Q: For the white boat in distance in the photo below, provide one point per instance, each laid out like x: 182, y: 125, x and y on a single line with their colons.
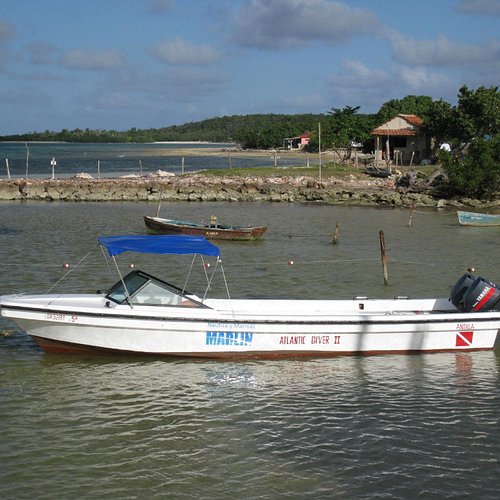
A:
x: 142, y: 314
x: 478, y: 219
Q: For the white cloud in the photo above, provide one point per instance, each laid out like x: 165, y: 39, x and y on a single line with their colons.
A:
x: 442, y: 52
x: 6, y: 32
x: 296, y: 103
x: 418, y: 80
x: 480, y: 7
x: 276, y: 24
x: 180, y: 84
x: 161, y: 6
x: 193, y: 83
x: 24, y: 97
x: 86, y: 59
x: 357, y: 85
x: 41, y: 52
x: 363, y: 76
x: 181, y: 52
x: 6, y: 36
x: 354, y: 74
x: 113, y: 100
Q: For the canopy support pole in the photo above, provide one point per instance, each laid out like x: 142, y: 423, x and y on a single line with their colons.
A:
x: 189, y: 274
x: 210, y: 280
x: 107, y: 262
x: 127, y: 294
x: 225, y: 282
x: 218, y: 261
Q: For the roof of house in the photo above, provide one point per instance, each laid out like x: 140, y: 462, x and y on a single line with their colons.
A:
x: 306, y: 135
x: 396, y: 126
x: 413, y: 119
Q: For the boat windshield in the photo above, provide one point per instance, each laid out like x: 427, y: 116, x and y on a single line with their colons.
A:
x: 139, y: 288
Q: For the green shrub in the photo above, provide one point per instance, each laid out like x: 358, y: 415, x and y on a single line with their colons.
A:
x: 477, y: 173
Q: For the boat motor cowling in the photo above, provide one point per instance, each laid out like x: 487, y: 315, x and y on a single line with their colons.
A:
x: 482, y: 295
x: 458, y: 291
x: 473, y: 293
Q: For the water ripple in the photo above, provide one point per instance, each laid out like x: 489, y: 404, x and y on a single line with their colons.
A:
x: 339, y: 428
x: 421, y: 426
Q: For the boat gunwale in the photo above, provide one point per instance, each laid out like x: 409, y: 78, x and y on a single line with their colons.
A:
x: 372, y: 318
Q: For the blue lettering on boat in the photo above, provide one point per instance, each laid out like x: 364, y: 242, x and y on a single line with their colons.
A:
x: 229, y: 338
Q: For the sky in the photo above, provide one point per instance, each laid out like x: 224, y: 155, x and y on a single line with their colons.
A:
x: 121, y: 64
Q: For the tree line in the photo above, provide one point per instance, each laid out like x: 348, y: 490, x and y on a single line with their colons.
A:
x: 472, y: 127
x: 258, y: 131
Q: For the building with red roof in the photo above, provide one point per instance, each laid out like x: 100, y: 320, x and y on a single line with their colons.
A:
x: 297, y: 142
x: 401, y: 141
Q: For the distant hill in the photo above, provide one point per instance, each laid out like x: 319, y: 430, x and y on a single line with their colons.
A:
x: 266, y: 129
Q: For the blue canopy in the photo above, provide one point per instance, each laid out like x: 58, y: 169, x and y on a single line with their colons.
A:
x: 160, y: 244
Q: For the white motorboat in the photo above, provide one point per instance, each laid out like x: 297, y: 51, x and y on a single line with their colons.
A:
x: 143, y: 314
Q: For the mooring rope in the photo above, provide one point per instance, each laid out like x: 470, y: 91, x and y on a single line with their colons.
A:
x: 325, y: 261
x: 259, y: 263
x: 70, y: 270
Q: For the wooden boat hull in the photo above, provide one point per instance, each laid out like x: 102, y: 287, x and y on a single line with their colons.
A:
x: 478, y: 219
x: 263, y: 329
x: 159, y: 225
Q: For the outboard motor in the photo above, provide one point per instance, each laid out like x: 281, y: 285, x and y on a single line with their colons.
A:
x: 482, y: 295
x: 458, y: 291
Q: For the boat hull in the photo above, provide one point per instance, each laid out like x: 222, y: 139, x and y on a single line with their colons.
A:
x: 478, y: 219
x: 216, y: 334
x: 216, y: 232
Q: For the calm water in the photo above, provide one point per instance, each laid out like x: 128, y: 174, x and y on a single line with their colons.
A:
x: 422, y: 426
x: 117, y: 159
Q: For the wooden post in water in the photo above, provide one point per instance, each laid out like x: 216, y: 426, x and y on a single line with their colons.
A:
x: 53, y: 164
x: 8, y: 169
x: 335, y: 235
x: 182, y: 166
x: 319, y: 149
x: 27, y: 158
x: 383, y: 256
x: 140, y: 167
x: 159, y: 205
x: 411, y: 215
x: 98, y: 169
x: 229, y: 161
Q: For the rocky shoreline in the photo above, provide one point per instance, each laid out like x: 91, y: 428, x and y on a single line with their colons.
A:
x: 199, y: 187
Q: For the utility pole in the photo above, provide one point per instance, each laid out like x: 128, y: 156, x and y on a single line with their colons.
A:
x: 319, y: 148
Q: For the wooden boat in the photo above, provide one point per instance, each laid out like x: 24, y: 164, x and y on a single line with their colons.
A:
x: 143, y: 314
x: 478, y: 219
x: 212, y: 231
